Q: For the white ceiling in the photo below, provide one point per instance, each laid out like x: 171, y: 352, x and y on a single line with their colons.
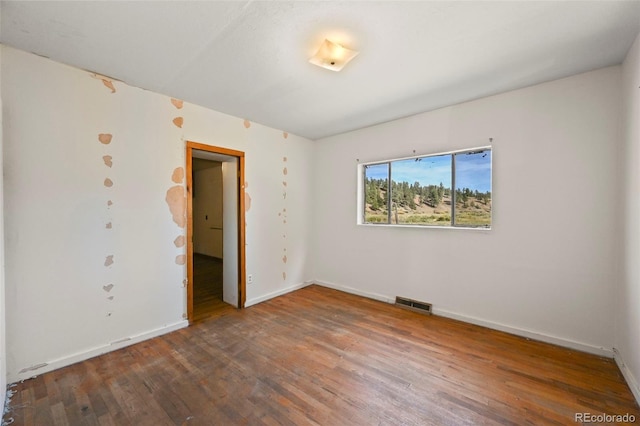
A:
x: 249, y: 58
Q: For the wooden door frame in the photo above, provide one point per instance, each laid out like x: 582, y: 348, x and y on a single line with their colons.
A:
x: 242, y: 273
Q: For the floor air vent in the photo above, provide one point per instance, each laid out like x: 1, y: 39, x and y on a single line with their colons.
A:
x: 413, y: 305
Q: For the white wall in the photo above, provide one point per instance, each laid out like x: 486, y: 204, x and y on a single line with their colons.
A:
x: 3, y: 347
x: 230, y: 232
x: 207, y: 211
x: 57, y: 243
x: 627, y: 331
x: 282, y: 187
x: 547, y: 268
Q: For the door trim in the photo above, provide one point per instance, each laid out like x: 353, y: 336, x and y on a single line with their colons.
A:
x: 190, y: 146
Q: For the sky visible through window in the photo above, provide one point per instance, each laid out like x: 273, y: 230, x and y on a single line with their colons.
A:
x: 473, y: 171
x: 420, y: 191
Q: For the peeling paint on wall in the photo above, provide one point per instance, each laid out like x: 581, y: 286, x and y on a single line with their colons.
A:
x: 285, y: 135
x: 105, y: 138
x: 247, y: 201
x: 178, y: 121
x: 108, y: 83
x: 179, y: 241
x: 177, y: 103
x: 283, y: 214
x: 178, y: 175
x: 247, y: 124
x: 181, y: 259
x: 177, y: 202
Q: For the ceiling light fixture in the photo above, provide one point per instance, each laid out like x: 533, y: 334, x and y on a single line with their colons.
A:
x: 332, y: 56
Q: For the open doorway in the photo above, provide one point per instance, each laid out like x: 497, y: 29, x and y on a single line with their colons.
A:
x: 215, y: 230
x: 208, y: 241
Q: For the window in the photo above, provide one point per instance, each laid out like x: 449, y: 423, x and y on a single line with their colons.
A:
x: 452, y: 189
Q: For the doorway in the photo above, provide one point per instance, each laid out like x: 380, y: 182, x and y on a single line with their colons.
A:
x: 215, y: 230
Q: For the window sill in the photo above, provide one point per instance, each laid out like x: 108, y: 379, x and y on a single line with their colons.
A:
x: 467, y: 228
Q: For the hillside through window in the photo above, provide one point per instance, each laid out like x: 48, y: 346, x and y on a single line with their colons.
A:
x: 451, y: 189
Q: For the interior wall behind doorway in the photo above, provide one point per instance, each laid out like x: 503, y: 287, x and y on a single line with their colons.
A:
x: 207, y: 208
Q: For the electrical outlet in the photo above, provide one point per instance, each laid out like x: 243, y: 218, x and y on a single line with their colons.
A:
x: 249, y: 279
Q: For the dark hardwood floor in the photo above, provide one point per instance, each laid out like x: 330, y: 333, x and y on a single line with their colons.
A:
x: 321, y: 357
x: 207, y: 287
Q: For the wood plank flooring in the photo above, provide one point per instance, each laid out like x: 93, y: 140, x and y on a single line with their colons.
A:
x: 207, y: 287
x: 321, y: 357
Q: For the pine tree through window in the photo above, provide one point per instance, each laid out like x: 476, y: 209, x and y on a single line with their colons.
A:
x: 452, y: 189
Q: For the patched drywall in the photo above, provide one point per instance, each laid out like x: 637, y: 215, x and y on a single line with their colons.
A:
x: 247, y: 202
x: 179, y: 241
x: 178, y: 175
x: 176, y: 199
x: 129, y: 235
x: 105, y: 138
x: 107, y: 82
x: 283, y: 214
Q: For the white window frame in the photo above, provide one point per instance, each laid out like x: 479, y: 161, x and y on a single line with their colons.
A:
x: 361, y: 196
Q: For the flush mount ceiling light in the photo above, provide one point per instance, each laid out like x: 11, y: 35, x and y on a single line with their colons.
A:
x: 332, y: 56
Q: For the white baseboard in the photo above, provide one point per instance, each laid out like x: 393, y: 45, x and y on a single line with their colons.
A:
x: 560, y: 341
x: 351, y: 290
x: 264, y: 297
x: 45, y: 367
x: 597, y: 350
x: 628, y: 375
